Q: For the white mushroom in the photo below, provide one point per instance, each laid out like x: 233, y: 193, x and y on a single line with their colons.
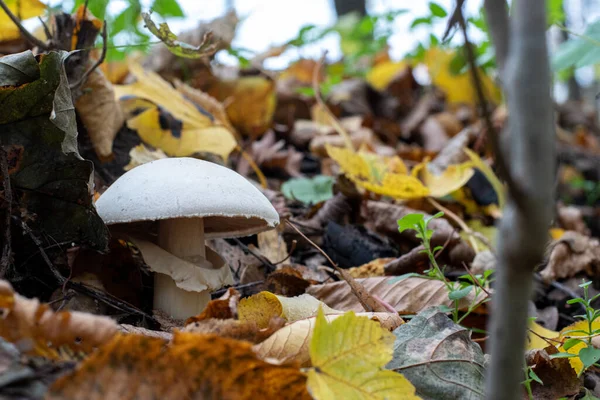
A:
x: 192, y: 200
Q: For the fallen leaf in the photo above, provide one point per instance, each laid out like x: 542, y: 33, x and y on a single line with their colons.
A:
x: 268, y: 152
x: 191, y: 366
x: 25, y: 9
x: 347, y: 355
x: 370, y: 269
x: 263, y: 306
x: 410, y: 295
x: 453, y: 178
x: 575, y: 330
x: 247, y: 331
x: 439, y: 358
x: 252, y: 105
x: 309, y: 190
x: 37, y: 330
x: 287, y: 281
x: 141, y: 154
x: 571, y: 254
x: 560, y: 380
x: 291, y: 343
x: 100, y: 113
x: 539, y: 337
x: 382, y: 74
x: 272, y: 246
x: 166, y: 120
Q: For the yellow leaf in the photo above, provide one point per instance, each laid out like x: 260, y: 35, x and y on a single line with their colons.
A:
x: 567, y: 332
x: 489, y: 174
x: 381, y: 75
x: 252, y: 105
x: 452, y: 179
x: 164, y: 118
x: 536, y: 334
x: 263, y: 306
x: 24, y: 9
x: 385, y: 176
x: 458, y: 88
x: 556, y: 233
x: 348, y: 356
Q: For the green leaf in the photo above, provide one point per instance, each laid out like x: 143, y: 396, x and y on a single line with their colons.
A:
x: 562, y: 355
x: 309, y: 190
x: 437, y: 10
x: 571, y: 342
x: 420, y: 21
x: 167, y: 8
x: 96, y: 7
x: 459, y: 294
x: 534, y: 376
x: 556, y: 13
x: 409, y: 221
x: 581, y: 51
x: 588, y: 356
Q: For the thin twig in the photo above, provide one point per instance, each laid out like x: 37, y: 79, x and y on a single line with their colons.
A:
x: 26, y: 34
x: 294, y: 243
x: 517, y: 191
x: 334, y: 121
x: 218, y: 293
x: 475, y: 280
x: 99, y: 61
x: 319, y: 249
x: 6, y: 248
x: 264, y: 260
x: 46, y: 29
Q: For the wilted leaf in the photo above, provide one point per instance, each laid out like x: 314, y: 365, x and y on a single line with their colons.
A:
x: 39, y: 133
x: 408, y: 296
x: 25, y: 9
x: 263, y: 306
x: 348, y: 355
x: 252, y: 105
x: 309, y: 190
x: 291, y: 343
x: 165, y: 119
x: 370, y: 269
x: 190, y: 367
x: 100, y: 113
x: 270, y: 153
x: 439, y: 358
x: 453, y: 178
x: 247, y: 331
x: 180, y: 49
x: 559, y: 379
x: 571, y: 254
x: 374, y: 174
x: 458, y: 88
x: 141, y: 154
x: 37, y: 330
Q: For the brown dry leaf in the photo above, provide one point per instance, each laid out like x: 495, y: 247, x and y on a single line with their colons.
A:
x: 560, y: 379
x: 571, y: 219
x: 571, y: 254
x: 252, y: 105
x: 433, y: 134
x: 268, y: 152
x: 190, y: 367
x: 234, y: 329
x: 291, y: 343
x: 37, y: 330
x: 223, y: 308
x: 358, y: 138
x: 407, y: 296
x: 137, y: 330
x: 263, y: 306
x: 100, y: 113
x: 287, y: 281
x: 272, y: 245
x: 373, y: 268
x: 141, y: 154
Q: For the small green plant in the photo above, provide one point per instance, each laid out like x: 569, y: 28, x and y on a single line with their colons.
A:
x: 589, y: 355
x: 456, y: 290
x: 530, y: 376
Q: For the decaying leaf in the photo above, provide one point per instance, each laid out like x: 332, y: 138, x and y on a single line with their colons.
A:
x: 263, y: 306
x: 453, y: 178
x: 571, y: 254
x: 141, y: 154
x: 268, y: 152
x: 191, y: 366
x: 247, y: 331
x: 370, y: 269
x: 100, y: 113
x: 180, y: 49
x: 37, y: 330
x: 560, y: 380
x: 165, y: 119
x: 439, y: 358
x: 382, y: 74
x: 347, y: 355
x: 539, y: 337
x: 378, y: 175
x: 288, y: 281
x: 291, y: 343
x: 408, y: 296
x: 252, y: 104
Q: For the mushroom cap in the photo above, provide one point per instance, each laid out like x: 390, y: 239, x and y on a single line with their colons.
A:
x: 185, y: 188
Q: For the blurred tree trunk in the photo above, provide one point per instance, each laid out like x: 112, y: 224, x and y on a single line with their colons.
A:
x: 347, y: 6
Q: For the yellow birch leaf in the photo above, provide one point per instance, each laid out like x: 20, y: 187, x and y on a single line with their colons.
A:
x: 536, y: 334
x: 165, y: 119
x: 381, y: 75
x: 453, y: 178
x: 24, y: 9
x: 252, y: 105
x: 348, y: 356
x: 580, y: 327
x: 458, y: 88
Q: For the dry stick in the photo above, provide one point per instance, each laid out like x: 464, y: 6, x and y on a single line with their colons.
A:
x: 336, y: 124
x: 369, y: 303
x: 99, y: 61
x: 28, y: 36
x: 475, y: 280
x: 462, y: 224
x: 46, y: 29
x: 294, y: 243
x: 6, y: 248
x: 220, y: 292
x: 517, y: 191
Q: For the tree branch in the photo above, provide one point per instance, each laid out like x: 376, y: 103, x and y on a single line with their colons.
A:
x: 524, y: 227
x: 30, y: 38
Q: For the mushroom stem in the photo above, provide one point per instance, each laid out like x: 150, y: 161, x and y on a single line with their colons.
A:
x: 184, y: 238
